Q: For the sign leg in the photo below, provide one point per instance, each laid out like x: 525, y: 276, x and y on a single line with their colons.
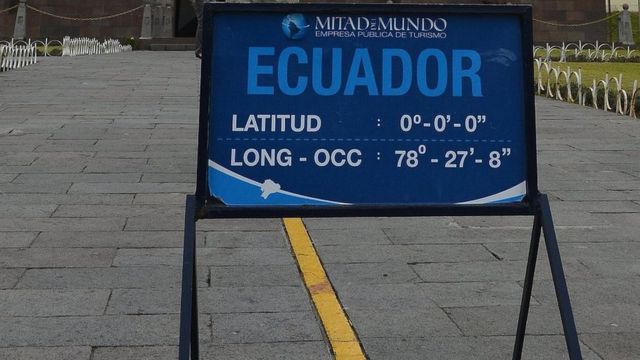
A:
x: 527, y: 288
x: 562, y: 294
x: 195, y: 338
x: 189, y: 341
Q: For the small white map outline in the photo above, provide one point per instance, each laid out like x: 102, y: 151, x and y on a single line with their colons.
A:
x: 269, y: 187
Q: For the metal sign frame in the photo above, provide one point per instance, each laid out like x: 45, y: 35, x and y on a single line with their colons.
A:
x: 202, y: 205
x: 213, y: 208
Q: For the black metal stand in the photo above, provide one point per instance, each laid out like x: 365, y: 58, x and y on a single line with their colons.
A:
x: 544, y: 221
x: 189, y: 339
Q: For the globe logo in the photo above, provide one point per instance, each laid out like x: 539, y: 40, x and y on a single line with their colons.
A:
x: 294, y: 26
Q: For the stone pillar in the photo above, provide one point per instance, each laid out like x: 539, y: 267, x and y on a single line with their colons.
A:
x: 167, y: 29
x: 20, y: 29
x: 145, y: 32
x: 625, y: 31
x: 156, y: 16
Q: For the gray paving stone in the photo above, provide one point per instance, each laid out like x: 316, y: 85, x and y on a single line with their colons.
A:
x: 590, y: 195
x: 451, y: 348
x: 43, y: 188
x: 493, y: 270
x: 62, y: 224
x: 594, y: 235
x: 298, y: 350
x: 322, y: 237
x: 112, y: 239
x: 587, y: 293
x: 371, y: 273
x: 212, y: 300
x: 368, y: 223
x: 619, y: 250
x: 13, y: 211
x: 169, y: 165
x: 464, y: 348
x: 408, y: 253
x: 48, y: 199
x: 53, y: 302
x: 176, y: 223
x: 103, y: 330
x: 624, y: 220
x: 147, y: 277
x: 9, y: 277
x: 596, y: 206
x: 612, y: 268
x: 258, y: 239
x: 7, y: 178
x: 448, y: 235
x: 46, y: 166
x: 19, y: 137
x: 130, y: 188
x: 80, y: 211
x: 474, y: 293
x: 471, y: 271
x: 622, y: 185
x: 178, y: 148
x: 168, y: 177
x: 160, y: 199
x: 17, y: 158
x: 45, y: 257
x: 49, y: 353
x: 548, y: 183
x: 135, y: 353
x: 16, y: 147
x: 78, y: 133
x: 614, y: 346
x: 502, y: 320
x: 16, y: 239
x: 77, y: 178
x: 494, y: 221
x: 65, y: 145
x: 265, y: 327
x: 206, y: 256
x: 104, y: 145
x: 252, y: 275
x: 385, y: 297
x: 403, y: 323
x: 116, y: 166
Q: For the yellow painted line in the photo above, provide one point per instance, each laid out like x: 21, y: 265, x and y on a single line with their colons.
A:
x: 342, y: 337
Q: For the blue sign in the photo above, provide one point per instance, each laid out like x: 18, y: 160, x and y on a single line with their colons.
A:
x: 323, y: 108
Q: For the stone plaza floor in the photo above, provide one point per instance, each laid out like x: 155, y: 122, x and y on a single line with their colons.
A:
x: 97, y: 154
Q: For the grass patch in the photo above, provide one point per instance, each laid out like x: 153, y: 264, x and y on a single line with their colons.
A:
x: 52, y: 50
x: 597, y: 71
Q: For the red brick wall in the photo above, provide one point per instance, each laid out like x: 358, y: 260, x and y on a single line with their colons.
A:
x: 560, y: 11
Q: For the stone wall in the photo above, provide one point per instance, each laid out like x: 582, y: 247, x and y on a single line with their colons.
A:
x: 40, y: 26
x: 569, y: 12
x: 556, y: 11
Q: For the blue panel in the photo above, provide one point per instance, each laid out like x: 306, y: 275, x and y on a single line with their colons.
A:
x: 324, y: 109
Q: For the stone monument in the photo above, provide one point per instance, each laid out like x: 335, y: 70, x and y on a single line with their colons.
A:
x: 625, y: 33
x: 20, y: 29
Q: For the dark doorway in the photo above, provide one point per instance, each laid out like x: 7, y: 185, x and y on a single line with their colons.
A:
x: 186, y: 22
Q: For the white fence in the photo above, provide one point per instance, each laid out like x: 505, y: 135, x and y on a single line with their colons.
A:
x: 567, y: 85
x: 89, y: 46
x: 45, y: 46
x: 14, y: 57
x: 596, y: 52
